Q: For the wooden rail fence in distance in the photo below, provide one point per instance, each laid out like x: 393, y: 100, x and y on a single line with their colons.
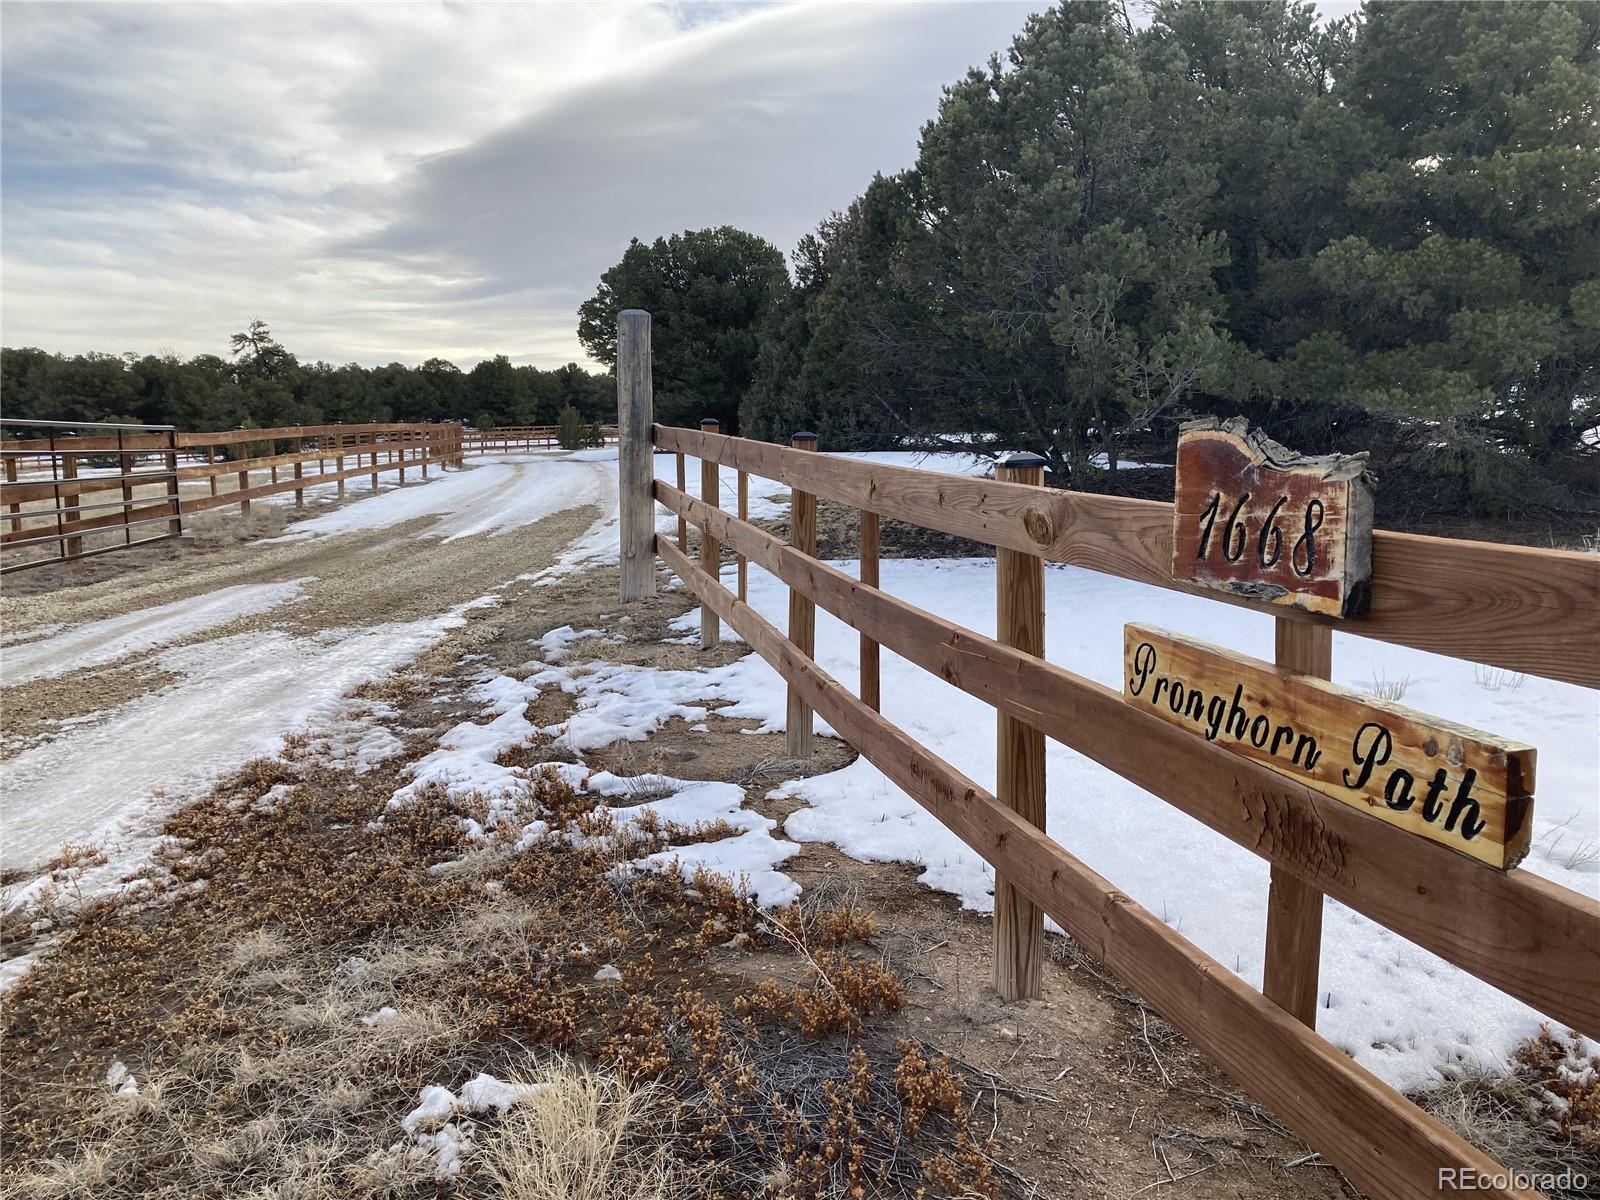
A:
x: 1524, y: 609
x: 148, y: 496
x: 513, y: 439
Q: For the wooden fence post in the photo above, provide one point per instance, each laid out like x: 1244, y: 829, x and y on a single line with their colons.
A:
x: 211, y: 462
x: 683, y: 522
x: 372, y: 438
x: 710, y: 551
x: 174, y: 493
x: 338, y: 460
x: 802, y: 609
x: 299, y: 478
x: 867, y: 551
x: 244, y: 478
x: 744, y: 515
x: 125, y: 468
x: 72, y: 547
x: 14, y: 509
x: 636, y: 458
x: 1294, y: 907
x: 1019, y: 781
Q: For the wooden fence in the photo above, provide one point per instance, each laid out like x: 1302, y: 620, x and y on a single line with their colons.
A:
x: 515, y: 438
x: 56, y: 485
x: 1520, y: 609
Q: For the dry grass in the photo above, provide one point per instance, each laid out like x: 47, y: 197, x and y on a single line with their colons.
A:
x: 1385, y: 688
x: 583, y: 1135
x: 242, y: 1000
x: 1542, y: 1121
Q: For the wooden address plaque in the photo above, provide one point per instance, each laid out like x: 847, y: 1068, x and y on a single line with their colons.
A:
x: 1257, y: 520
x: 1467, y: 790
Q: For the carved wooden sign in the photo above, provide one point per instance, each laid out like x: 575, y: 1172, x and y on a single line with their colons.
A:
x: 1467, y: 790
x: 1257, y: 520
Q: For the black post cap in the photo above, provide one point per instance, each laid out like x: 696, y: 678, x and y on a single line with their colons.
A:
x: 1020, y: 458
x: 803, y: 437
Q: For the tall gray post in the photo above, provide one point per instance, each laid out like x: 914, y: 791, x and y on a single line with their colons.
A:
x: 635, y: 454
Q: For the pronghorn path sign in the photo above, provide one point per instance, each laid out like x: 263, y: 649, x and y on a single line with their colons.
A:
x: 1257, y: 520
x: 1467, y: 790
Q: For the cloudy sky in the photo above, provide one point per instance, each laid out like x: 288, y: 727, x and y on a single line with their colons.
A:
x: 394, y: 181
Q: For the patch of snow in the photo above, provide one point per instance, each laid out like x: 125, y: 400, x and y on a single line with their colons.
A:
x: 121, y: 1080
x: 436, y: 1127
x: 492, y: 497
x: 435, y: 1106
x: 98, y: 642
x: 557, y: 644
x: 382, y: 1017
x: 354, y: 737
x: 608, y: 974
x: 169, y: 745
x: 464, y: 764
x: 447, y: 1147
x: 1399, y: 1010
x: 485, y: 1093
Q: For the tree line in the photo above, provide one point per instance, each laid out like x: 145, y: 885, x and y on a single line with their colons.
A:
x: 260, y: 384
x: 1379, y: 232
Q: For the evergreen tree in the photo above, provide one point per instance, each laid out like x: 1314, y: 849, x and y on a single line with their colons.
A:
x: 709, y: 293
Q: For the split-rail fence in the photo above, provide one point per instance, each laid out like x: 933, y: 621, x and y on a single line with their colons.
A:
x: 86, y: 488
x: 1521, y: 609
x: 512, y: 439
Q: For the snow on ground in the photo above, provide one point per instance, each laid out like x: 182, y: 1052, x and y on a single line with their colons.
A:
x: 98, y: 642
x: 489, y: 497
x: 466, y: 764
x: 112, y: 779
x: 1398, y: 1009
x: 439, y: 1128
x: 1401, y: 1011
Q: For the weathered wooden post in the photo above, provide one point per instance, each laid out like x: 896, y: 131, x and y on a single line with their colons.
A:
x: 338, y: 460
x: 636, y: 454
x: 867, y: 551
x: 174, y: 496
x: 299, y: 479
x: 802, y: 610
x: 1294, y: 907
x: 1019, y: 781
x: 244, y: 478
x: 125, y: 469
x: 710, y: 550
x: 211, y: 462
x: 744, y: 515
x: 14, y: 508
x: 683, y: 522
x: 72, y: 547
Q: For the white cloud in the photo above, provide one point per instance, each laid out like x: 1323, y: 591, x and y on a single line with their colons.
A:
x: 395, y: 181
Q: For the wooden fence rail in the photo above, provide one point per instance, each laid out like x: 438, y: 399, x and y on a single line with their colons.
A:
x: 145, y: 496
x: 512, y: 439
x: 1525, y: 610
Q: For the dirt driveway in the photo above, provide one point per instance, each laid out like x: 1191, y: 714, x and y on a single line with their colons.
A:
x: 126, y: 694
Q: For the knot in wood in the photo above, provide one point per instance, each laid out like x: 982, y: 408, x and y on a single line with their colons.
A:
x: 1038, y: 527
